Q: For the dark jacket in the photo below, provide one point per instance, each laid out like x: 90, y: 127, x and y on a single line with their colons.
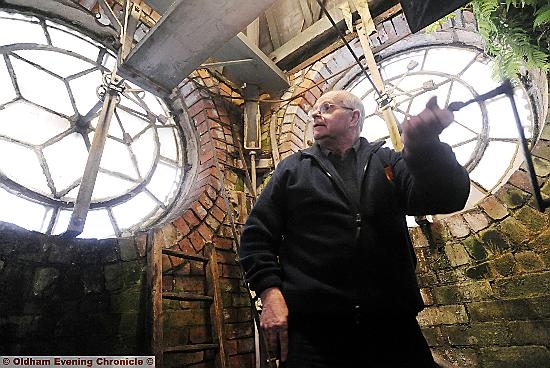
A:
x: 328, y: 254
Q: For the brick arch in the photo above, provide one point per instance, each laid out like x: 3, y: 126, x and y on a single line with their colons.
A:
x: 208, y: 215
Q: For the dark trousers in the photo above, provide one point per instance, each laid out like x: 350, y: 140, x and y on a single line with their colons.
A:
x: 386, y: 342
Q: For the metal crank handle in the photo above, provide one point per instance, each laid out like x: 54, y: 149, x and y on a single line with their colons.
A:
x: 505, y: 88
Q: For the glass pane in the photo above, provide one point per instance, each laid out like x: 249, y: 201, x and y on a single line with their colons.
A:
x: 66, y: 160
x: 168, y: 147
x: 502, y: 117
x: 134, y: 211
x: 84, y: 91
x: 51, y: 92
x: 108, y: 186
x: 98, y: 225
x: 7, y: 92
x: 21, y: 212
x: 109, y: 62
x: 374, y: 128
x: 62, y: 222
x: 479, y: 75
x: 164, y: 182
x: 455, y: 134
x: 494, y: 164
x: 21, y: 164
x: 144, y: 149
x: 400, y: 64
x: 154, y: 105
x: 61, y: 64
x: 28, y: 123
x: 116, y: 157
x: 131, y: 123
x: 464, y: 152
x: 21, y: 32
x: 455, y: 59
x: 67, y: 41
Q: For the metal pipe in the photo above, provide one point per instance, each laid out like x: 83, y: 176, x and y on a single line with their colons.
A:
x: 84, y: 197
x: 253, y: 171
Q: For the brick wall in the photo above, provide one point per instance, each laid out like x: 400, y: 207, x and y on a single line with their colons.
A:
x: 203, y: 219
x: 71, y: 296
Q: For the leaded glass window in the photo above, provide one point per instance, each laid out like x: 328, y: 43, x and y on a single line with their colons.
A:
x: 49, y: 109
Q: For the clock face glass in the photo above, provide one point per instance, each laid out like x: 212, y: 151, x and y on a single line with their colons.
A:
x: 51, y: 90
x: 483, y: 135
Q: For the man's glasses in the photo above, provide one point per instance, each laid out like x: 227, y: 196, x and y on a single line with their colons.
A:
x: 325, y: 108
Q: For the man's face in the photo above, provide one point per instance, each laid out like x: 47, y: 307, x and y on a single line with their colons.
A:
x: 331, y: 119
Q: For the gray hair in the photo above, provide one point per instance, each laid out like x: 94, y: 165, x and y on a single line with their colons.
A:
x: 350, y: 100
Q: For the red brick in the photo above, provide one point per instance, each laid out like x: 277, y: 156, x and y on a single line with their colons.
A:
x: 190, y: 218
x: 206, y: 155
x: 205, y: 231
x: 212, y: 193
x: 212, y: 223
x: 218, y: 213
x: 182, y: 226
x: 197, y: 241
x: 199, y: 210
x: 223, y: 243
x: 186, y: 247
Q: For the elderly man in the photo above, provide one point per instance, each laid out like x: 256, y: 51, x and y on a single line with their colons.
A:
x: 327, y: 248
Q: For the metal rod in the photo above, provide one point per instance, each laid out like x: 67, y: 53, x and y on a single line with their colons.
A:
x: 541, y: 204
x: 343, y: 38
x: 84, y: 197
x: 224, y: 63
x: 505, y: 88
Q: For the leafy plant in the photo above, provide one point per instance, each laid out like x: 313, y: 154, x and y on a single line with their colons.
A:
x: 517, y: 33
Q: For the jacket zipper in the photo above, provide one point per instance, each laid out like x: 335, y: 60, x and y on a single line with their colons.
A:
x: 358, y: 219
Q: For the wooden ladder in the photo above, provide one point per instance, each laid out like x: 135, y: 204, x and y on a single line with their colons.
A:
x: 212, y: 296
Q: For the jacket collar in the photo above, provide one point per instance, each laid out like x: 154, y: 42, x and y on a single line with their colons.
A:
x: 365, y: 149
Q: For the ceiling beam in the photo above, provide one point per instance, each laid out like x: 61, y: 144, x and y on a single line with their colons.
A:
x: 273, y: 28
x: 321, y: 33
x: 185, y: 36
x: 306, y: 11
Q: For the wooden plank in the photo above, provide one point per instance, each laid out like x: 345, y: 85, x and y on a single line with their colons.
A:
x: 253, y: 32
x: 183, y: 296
x: 191, y: 257
x: 154, y: 283
x: 216, y: 309
x: 273, y: 28
x: 308, y: 17
x: 190, y: 348
x: 320, y: 33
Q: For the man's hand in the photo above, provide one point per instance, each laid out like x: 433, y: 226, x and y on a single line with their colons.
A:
x: 427, y: 125
x: 274, y: 321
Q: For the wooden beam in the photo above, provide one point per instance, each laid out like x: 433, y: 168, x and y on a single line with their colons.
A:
x: 253, y: 32
x: 311, y: 35
x: 186, y: 35
x: 315, y: 37
x: 306, y: 11
x: 273, y: 28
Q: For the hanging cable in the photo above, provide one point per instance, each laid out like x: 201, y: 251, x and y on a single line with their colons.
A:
x: 341, y: 35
